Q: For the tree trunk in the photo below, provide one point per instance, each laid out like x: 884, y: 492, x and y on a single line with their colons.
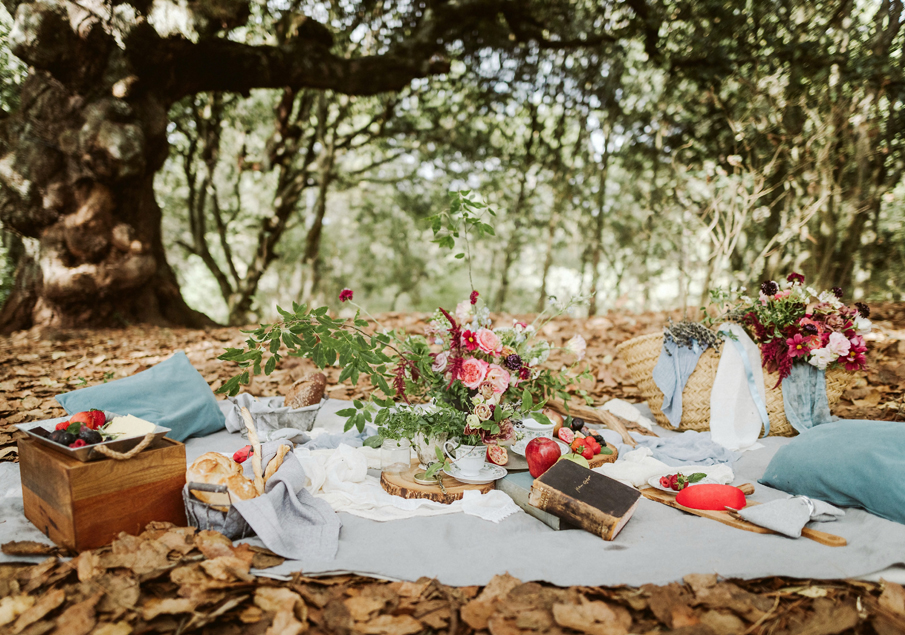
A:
x: 548, y: 260
x: 597, y: 247
x: 79, y: 161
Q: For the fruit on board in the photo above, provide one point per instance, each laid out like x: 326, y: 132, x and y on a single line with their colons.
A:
x: 716, y: 497
x: 565, y: 435
x: 89, y: 436
x: 84, y: 417
x: 62, y: 437
x: 577, y: 446
x: 99, y: 419
x: 588, y: 452
x: 62, y: 425
x: 497, y: 455
x: 541, y: 453
x: 592, y: 444
x: 242, y: 455
x: 575, y: 458
x: 577, y: 424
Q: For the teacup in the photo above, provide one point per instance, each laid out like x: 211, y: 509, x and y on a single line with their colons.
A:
x: 469, y: 458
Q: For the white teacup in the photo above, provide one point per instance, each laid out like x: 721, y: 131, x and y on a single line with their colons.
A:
x: 469, y: 458
x: 535, y: 429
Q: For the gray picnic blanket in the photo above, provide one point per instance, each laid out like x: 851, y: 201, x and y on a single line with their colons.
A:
x: 658, y: 545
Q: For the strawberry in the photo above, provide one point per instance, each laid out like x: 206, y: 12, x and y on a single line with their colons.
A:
x: 99, y: 419
x: 587, y: 452
x: 84, y: 417
x: 592, y: 443
x: 577, y: 446
x: 62, y: 425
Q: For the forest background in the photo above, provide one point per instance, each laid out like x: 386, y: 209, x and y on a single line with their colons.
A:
x: 718, y: 144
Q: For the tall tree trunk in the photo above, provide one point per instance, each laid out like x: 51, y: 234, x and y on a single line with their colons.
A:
x: 513, y: 244
x: 313, y: 240
x: 597, y: 245
x: 548, y: 259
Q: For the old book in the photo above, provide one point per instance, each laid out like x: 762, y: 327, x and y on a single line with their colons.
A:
x: 589, y: 500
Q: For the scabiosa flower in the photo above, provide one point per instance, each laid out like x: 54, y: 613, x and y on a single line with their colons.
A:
x: 345, y: 294
x: 474, y: 297
x: 809, y: 329
x: 769, y: 288
x: 513, y: 362
x: 863, y: 309
x: 470, y: 340
x: 795, y: 278
x: 837, y: 291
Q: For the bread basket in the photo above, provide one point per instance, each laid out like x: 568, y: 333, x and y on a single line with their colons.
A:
x: 199, y: 514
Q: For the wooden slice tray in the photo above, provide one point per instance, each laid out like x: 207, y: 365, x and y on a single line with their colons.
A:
x: 727, y: 518
x: 403, y: 484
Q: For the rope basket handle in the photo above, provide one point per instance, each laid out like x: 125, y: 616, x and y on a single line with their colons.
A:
x: 122, y: 456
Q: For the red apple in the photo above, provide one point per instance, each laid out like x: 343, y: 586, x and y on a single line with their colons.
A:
x: 541, y: 453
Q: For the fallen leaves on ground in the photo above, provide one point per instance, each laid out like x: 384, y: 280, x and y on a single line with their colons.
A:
x: 118, y: 597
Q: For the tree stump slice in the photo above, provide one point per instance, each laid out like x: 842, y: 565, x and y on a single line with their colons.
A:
x: 403, y: 484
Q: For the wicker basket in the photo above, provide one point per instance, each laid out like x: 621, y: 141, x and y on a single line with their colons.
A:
x: 641, y: 355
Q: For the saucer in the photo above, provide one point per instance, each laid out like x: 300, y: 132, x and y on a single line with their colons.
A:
x: 519, y: 448
x: 487, y: 474
x: 654, y: 481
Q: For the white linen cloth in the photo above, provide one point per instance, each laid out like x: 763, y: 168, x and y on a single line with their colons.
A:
x: 635, y: 468
x: 788, y: 516
x: 735, y: 422
x: 340, y: 477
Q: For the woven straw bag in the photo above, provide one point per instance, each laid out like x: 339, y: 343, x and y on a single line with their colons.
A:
x: 641, y: 355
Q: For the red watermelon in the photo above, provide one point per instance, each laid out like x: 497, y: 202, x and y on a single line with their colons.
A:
x: 715, y: 497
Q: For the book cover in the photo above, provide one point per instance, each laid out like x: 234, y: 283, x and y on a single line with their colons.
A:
x: 589, y: 500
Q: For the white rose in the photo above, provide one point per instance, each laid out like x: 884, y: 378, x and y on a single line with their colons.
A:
x: 578, y: 346
x: 863, y: 326
x: 828, y: 297
x: 477, y: 399
x: 821, y: 357
x: 839, y: 344
x: 473, y: 421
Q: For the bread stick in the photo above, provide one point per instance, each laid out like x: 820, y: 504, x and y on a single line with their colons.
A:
x: 256, y: 448
x: 276, y: 462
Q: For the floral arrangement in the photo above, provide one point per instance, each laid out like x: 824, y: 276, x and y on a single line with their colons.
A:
x: 476, y: 381
x: 794, y: 323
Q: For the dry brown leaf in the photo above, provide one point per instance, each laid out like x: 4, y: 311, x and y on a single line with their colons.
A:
x: 113, y: 628
x: 362, y: 607
x: 13, y: 606
x: 670, y: 604
x: 723, y: 622
x: 29, y: 548
x: 893, y: 597
x: 478, y: 611
x: 213, y: 544
x: 45, y: 604
x: 593, y: 618
x: 120, y: 592
x: 266, y: 561
x: 227, y: 569
x: 391, y: 625
x: 78, y: 619
x: 88, y: 565
x: 251, y: 615
x: 166, y: 606
x: 285, y: 623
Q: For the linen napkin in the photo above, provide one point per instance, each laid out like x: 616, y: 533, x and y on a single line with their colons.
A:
x: 788, y: 516
x: 291, y: 522
x: 671, y: 373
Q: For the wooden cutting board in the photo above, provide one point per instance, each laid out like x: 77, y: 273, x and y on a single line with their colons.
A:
x: 403, y: 484
x: 727, y: 518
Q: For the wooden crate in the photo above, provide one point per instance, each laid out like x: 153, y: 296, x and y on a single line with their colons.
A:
x: 85, y: 505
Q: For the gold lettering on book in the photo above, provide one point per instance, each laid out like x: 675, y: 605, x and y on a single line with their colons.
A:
x: 583, y: 483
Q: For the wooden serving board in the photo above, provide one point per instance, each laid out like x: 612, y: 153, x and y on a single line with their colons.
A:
x: 601, y: 458
x: 727, y: 518
x: 403, y: 484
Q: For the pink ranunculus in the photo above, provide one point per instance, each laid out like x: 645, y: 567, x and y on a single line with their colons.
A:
x: 488, y: 341
x: 839, y: 344
x: 498, y: 377
x: 440, y: 361
x: 473, y: 372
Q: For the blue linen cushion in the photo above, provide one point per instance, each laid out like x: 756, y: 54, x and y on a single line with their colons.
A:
x: 171, y: 394
x: 849, y: 463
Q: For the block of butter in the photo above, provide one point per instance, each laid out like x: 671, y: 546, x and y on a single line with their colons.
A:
x: 129, y: 426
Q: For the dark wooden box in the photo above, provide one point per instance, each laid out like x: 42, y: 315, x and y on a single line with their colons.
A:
x: 84, y: 505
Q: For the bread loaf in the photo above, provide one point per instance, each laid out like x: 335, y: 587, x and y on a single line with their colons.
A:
x: 216, y: 469
x: 307, y: 391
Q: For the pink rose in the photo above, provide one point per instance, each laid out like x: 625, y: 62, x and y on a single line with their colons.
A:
x: 473, y: 372
x: 498, y: 377
x: 839, y: 344
x: 488, y: 341
x: 440, y: 361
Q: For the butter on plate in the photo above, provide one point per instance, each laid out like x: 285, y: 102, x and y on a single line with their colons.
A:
x: 128, y: 426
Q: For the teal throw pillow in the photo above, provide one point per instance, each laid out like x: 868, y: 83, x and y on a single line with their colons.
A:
x: 171, y: 394
x: 849, y: 463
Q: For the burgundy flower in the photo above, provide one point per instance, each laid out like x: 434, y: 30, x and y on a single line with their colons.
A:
x: 769, y: 288
x: 863, y: 309
x: 837, y: 291
x: 524, y: 372
x: 795, y: 278
x: 853, y: 361
x: 474, y: 297
x: 810, y: 329
x: 513, y: 362
x: 345, y: 294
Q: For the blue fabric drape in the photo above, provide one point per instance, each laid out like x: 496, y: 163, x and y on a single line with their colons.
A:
x: 804, y: 397
x: 671, y: 373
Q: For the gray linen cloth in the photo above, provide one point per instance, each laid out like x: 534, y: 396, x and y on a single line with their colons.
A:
x: 273, y: 420
x: 789, y: 516
x: 287, y: 518
x: 804, y: 397
x: 687, y: 448
x: 671, y: 373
